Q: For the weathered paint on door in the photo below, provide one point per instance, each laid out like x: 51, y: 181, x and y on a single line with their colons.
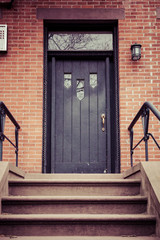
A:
x: 78, y: 143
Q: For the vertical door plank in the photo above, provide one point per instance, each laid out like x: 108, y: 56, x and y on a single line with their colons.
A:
x: 101, y: 110
x: 93, y: 115
x: 76, y: 114
x: 85, y: 116
x: 108, y: 118
x: 59, y: 112
x: 53, y: 116
x: 67, y: 108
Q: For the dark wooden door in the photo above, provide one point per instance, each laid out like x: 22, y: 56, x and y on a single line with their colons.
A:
x: 79, y: 130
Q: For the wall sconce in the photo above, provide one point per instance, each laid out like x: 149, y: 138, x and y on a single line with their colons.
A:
x: 136, y: 51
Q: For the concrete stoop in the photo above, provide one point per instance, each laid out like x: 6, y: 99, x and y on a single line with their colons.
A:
x: 76, y: 207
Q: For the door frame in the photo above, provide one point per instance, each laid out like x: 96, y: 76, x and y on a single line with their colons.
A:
x: 113, y: 140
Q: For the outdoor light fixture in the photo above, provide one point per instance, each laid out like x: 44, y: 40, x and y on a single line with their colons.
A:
x: 136, y: 51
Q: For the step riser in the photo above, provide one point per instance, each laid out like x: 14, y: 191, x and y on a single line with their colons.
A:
x: 77, y: 229
x: 74, y: 208
x: 74, y: 190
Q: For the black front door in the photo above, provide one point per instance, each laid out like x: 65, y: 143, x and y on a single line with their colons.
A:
x: 78, y: 121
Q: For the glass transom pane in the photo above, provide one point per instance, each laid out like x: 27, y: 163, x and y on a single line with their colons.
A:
x: 71, y: 41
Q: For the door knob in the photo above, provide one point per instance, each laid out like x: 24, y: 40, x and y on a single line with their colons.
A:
x: 103, y: 121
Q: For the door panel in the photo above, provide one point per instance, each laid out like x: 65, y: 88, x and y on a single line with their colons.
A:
x: 78, y: 144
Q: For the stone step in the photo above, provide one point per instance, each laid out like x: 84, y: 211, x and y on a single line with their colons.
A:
x: 78, y: 238
x: 75, y: 187
x: 73, y: 176
x: 77, y: 225
x: 74, y: 204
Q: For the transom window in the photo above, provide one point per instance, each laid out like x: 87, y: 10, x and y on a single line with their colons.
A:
x: 80, y: 41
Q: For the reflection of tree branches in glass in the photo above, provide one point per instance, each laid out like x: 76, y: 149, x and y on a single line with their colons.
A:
x: 79, y: 41
x: 80, y: 89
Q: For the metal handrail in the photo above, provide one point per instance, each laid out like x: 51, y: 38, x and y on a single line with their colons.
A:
x: 144, y: 112
x: 3, y: 112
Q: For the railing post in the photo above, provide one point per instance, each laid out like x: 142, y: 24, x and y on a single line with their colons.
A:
x: 131, y: 146
x: 145, y: 122
x: 2, y: 123
x: 16, y: 140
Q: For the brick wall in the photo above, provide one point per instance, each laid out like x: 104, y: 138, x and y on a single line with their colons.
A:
x: 21, y: 72
x: 139, y: 81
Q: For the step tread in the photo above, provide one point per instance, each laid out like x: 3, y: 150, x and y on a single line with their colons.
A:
x: 75, y: 198
x: 73, y: 176
x: 78, y: 238
x: 77, y: 217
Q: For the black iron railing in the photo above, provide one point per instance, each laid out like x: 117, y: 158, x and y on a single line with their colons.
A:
x: 144, y: 112
x: 3, y: 112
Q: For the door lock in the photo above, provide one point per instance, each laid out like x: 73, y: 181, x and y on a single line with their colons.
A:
x: 103, y: 121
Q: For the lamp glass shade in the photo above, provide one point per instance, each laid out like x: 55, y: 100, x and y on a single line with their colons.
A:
x: 136, y: 51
